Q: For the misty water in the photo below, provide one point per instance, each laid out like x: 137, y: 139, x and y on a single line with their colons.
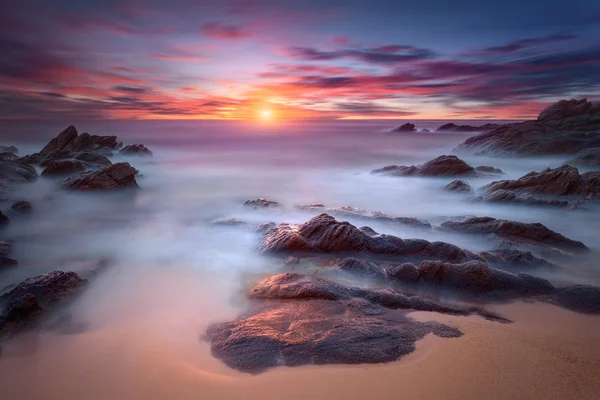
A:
x: 172, y: 273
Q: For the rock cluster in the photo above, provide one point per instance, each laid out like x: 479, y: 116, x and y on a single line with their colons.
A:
x: 120, y: 175
x: 441, y: 166
x: 408, y: 127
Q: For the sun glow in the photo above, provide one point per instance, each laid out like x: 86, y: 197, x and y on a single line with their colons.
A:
x: 266, y: 114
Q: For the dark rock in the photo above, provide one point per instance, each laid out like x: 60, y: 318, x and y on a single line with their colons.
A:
x: 8, y: 156
x: 13, y: 173
x: 408, y: 127
x: 486, y: 169
x: 228, y: 222
x: 4, y: 220
x: 587, y: 158
x: 6, y: 262
x: 579, y: 298
x: 9, y: 149
x: 364, y: 215
x: 34, y: 297
x: 404, y: 273
x: 506, y: 196
x: 458, y: 186
x: 323, y: 234
x: 116, y: 176
x: 22, y: 206
x: 441, y: 166
x: 566, y: 127
x: 261, y: 203
x: 515, y: 258
x: 425, y: 131
x: 135, y: 149
x: 61, y: 168
x: 452, y: 127
x: 262, y: 228
x: 92, y: 158
x: 535, y: 233
x: 363, y: 269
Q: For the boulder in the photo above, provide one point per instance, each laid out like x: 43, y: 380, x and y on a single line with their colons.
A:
x: 441, y: 166
x: 261, y: 203
x: 408, y: 127
x: 64, y: 167
x: 535, y: 233
x: 22, y: 307
x: 13, y: 173
x: 22, y: 206
x: 458, y: 186
x: 116, y: 176
x: 135, y: 150
x: 566, y: 127
x: 364, y: 269
x: 507, y: 196
x: 324, y: 235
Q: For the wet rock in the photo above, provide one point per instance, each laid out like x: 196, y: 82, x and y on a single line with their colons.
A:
x: 365, y: 269
x: 9, y: 149
x: 136, y: 150
x: 566, y: 127
x: 458, y: 186
x: 515, y: 258
x: 116, y: 176
x: 27, y: 302
x: 535, y: 233
x: 22, y: 206
x: 441, y: 166
x: 62, y: 168
x: 452, y: 127
x: 408, y: 127
x: 323, y: 234
x: 587, y: 158
x: 261, y: 203
x: 486, y: 169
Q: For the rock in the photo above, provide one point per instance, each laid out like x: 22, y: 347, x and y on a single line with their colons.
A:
x: 441, y: 166
x: 27, y: 302
x: 579, y: 298
x: 4, y: 220
x: 89, y: 157
x: 9, y: 149
x: 425, y: 131
x: 261, y: 203
x: 515, y: 258
x: 8, y: 156
x: 364, y: 215
x: 404, y: 273
x: 13, y: 173
x: 562, y: 181
x: 408, y: 127
x: 458, y: 186
x: 61, y: 168
x: 452, y: 127
x: 116, y: 176
x: 486, y: 169
x: 228, y: 222
x: 566, y: 127
x: 535, y: 233
x: 365, y: 269
x: 323, y: 234
x: 135, y: 149
x: 587, y: 158
x: 262, y: 228
x: 506, y: 196
x: 22, y: 206
x: 6, y: 262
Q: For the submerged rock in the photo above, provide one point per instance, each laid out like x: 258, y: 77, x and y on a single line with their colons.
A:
x: 116, y: 176
x: 22, y: 307
x: 535, y: 233
x: 408, y: 127
x: 458, y: 186
x: 22, y: 206
x: 136, y: 149
x: 441, y: 166
x: 565, y: 127
x: 261, y: 203
x: 323, y: 234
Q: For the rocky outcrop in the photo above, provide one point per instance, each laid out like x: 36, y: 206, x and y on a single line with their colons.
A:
x: 566, y: 127
x: 92, y: 158
x: 408, y: 127
x: 363, y: 269
x: 228, y: 222
x: 62, y: 168
x: 458, y: 186
x: 324, y: 235
x: 13, y: 173
x: 486, y: 169
x: 9, y: 149
x: 8, y: 156
x: 535, y: 233
x: 452, y: 127
x: 22, y: 206
x: 6, y: 261
x: 116, y: 176
x: 507, y: 196
x: 22, y: 307
x: 135, y: 150
x: 587, y: 158
x: 441, y: 166
x: 261, y: 203
x: 515, y: 258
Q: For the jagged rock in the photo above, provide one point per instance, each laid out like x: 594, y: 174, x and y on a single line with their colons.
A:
x: 408, y: 127
x: 452, y: 127
x: 365, y: 269
x: 27, y: 302
x: 404, y: 273
x: 13, y: 173
x: 486, y: 169
x: 262, y: 228
x: 261, y: 203
x: 458, y: 186
x: 515, y: 258
x: 535, y: 233
x: 360, y: 214
x: 61, y: 168
x: 116, y: 176
x: 323, y: 234
x: 9, y: 149
x: 566, y: 127
x: 587, y: 158
x: 506, y: 196
x: 135, y: 149
x: 8, y: 156
x: 89, y: 157
x: 22, y: 206
x: 441, y: 166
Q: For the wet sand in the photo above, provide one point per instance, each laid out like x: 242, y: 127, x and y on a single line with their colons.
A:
x: 548, y: 353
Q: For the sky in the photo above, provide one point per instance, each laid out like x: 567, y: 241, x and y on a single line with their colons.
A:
x: 253, y: 59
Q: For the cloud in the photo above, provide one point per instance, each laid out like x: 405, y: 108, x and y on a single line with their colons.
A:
x: 518, y: 45
x: 218, y: 30
x: 378, y: 55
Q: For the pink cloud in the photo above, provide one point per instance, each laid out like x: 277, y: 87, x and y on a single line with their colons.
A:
x: 217, y: 30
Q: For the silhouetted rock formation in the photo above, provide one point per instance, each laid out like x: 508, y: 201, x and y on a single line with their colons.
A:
x: 62, y: 168
x: 515, y: 258
x: 441, y: 166
x: 452, y: 127
x: 458, y: 186
x: 323, y: 234
x: 261, y: 203
x: 116, y: 176
x: 408, y: 127
x: 535, y: 233
x: 566, y: 127
x: 22, y: 206
x: 136, y: 150
x: 6, y: 261
x: 489, y: 170
x: 9, y: 149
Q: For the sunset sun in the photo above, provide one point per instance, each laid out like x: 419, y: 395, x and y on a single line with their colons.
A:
x: 266, y: 114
